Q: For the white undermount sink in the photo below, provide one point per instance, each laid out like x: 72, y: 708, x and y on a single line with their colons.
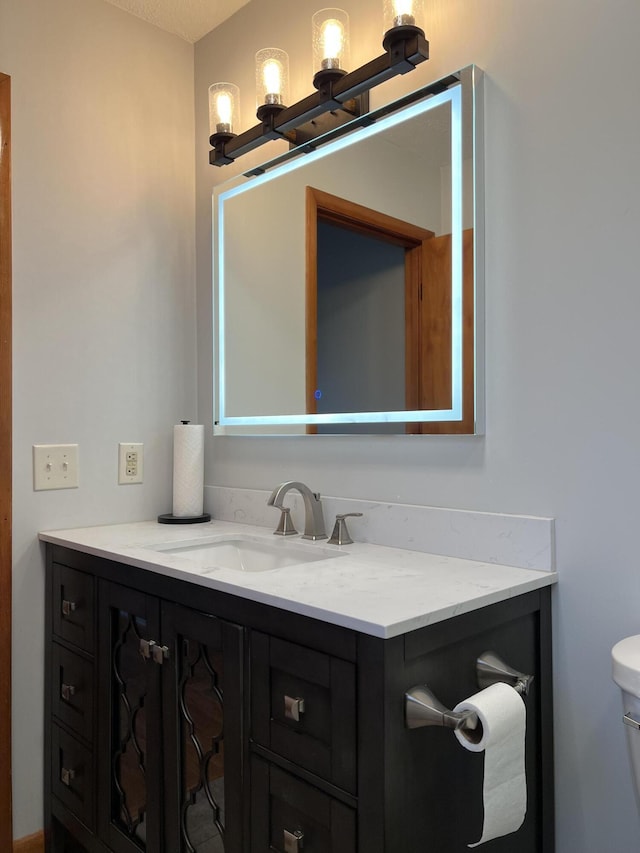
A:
x: 243, y: 553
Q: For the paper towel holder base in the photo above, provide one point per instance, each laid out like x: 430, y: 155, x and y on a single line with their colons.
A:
x: 170, y: 518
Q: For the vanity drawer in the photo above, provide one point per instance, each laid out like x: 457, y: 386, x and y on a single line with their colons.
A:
x: 290, y: 816
x: 304, y: 708
x: 73, y: 606
x: 72, y: 691
x: 72, y: 780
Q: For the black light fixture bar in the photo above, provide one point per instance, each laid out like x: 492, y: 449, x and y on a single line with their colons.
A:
x: 230, y: 149
x: 344, y: 99
x: 360, y: 121
x: 401, y: 57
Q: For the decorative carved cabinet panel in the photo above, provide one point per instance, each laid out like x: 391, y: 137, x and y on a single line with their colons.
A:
x: 202, y: 711
x: 180, y: 719
x: 130, y: 732
x: 151, y: 759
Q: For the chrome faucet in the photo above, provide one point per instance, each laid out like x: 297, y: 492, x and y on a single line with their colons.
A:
x: 313, y: 518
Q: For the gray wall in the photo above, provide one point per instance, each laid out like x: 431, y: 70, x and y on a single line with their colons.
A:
x: 103, y: 290
x: 562, y: 218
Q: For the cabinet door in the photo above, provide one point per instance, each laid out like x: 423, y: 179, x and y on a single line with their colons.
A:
x: 202, y: 704
x: 129, y: 707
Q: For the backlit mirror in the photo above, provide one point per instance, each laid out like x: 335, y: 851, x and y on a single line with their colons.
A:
x: 348, y: 280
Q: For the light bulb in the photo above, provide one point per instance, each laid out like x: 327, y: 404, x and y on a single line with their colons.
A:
x: 330, y: 32
x: 403, y: 13
x: 272, y: 76
x: 223, y: 107
x: 332, y: 41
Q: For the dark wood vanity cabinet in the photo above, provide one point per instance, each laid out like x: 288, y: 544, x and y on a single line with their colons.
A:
x: 184, y: 720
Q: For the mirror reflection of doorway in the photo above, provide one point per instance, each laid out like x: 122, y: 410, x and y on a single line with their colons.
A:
x: 373, y: 281
x: 361, y: 327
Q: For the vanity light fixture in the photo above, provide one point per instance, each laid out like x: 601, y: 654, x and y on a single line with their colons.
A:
x: 341, y: 97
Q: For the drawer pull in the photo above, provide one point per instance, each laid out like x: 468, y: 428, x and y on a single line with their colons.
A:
x: 68, y: 607
x: 66, y: 775
x: 293, y: 841
x: 146, y: 648
x: 159, y: 653
x: 293, y: 707
x: 67, y: 691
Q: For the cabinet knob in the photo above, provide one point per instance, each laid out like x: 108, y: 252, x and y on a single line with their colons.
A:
x: 67, y: 691
x: 66, y: 775
x: 293, y: 841
x: 293, y: 707
x: 68, y: 607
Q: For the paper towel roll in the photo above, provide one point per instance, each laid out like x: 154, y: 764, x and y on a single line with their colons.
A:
x: 502, y: 714
x: 188, y: 470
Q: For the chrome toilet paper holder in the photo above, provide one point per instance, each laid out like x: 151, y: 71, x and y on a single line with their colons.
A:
x: 423, y: 708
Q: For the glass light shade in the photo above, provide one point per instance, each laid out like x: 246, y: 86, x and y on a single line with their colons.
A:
x: 272, y: 76
x: 330, y: 39
x: 403, y: 13
x: 224, y: 108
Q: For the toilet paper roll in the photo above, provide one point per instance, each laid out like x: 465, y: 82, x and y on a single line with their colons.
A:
x: 502, y: 713
x: 188, y: 470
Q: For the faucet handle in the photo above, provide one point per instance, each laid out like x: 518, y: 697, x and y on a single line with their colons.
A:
x: 285, y: 527
x: 340, y: 535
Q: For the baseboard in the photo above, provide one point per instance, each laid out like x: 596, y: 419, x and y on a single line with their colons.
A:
x: 30, y: 844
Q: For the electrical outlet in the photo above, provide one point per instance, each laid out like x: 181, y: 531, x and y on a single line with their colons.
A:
x: 55, y: 466
x: 130, y: 463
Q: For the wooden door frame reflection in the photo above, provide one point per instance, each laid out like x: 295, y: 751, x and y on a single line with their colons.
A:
x: 427, y: 294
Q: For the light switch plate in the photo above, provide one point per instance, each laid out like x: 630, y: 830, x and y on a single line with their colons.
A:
x: 55, y: 466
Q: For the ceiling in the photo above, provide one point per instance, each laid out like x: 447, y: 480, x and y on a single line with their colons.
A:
x: 189, y: 19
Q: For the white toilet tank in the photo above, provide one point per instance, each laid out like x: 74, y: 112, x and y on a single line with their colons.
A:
x: 626, y: 674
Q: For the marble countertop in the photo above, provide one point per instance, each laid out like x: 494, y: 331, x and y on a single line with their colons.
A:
x: 375, y: 589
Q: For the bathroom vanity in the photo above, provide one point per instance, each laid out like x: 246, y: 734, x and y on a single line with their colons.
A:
x: 196, y: 710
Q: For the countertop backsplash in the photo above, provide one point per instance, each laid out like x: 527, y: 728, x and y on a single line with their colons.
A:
x: 523, y: 541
